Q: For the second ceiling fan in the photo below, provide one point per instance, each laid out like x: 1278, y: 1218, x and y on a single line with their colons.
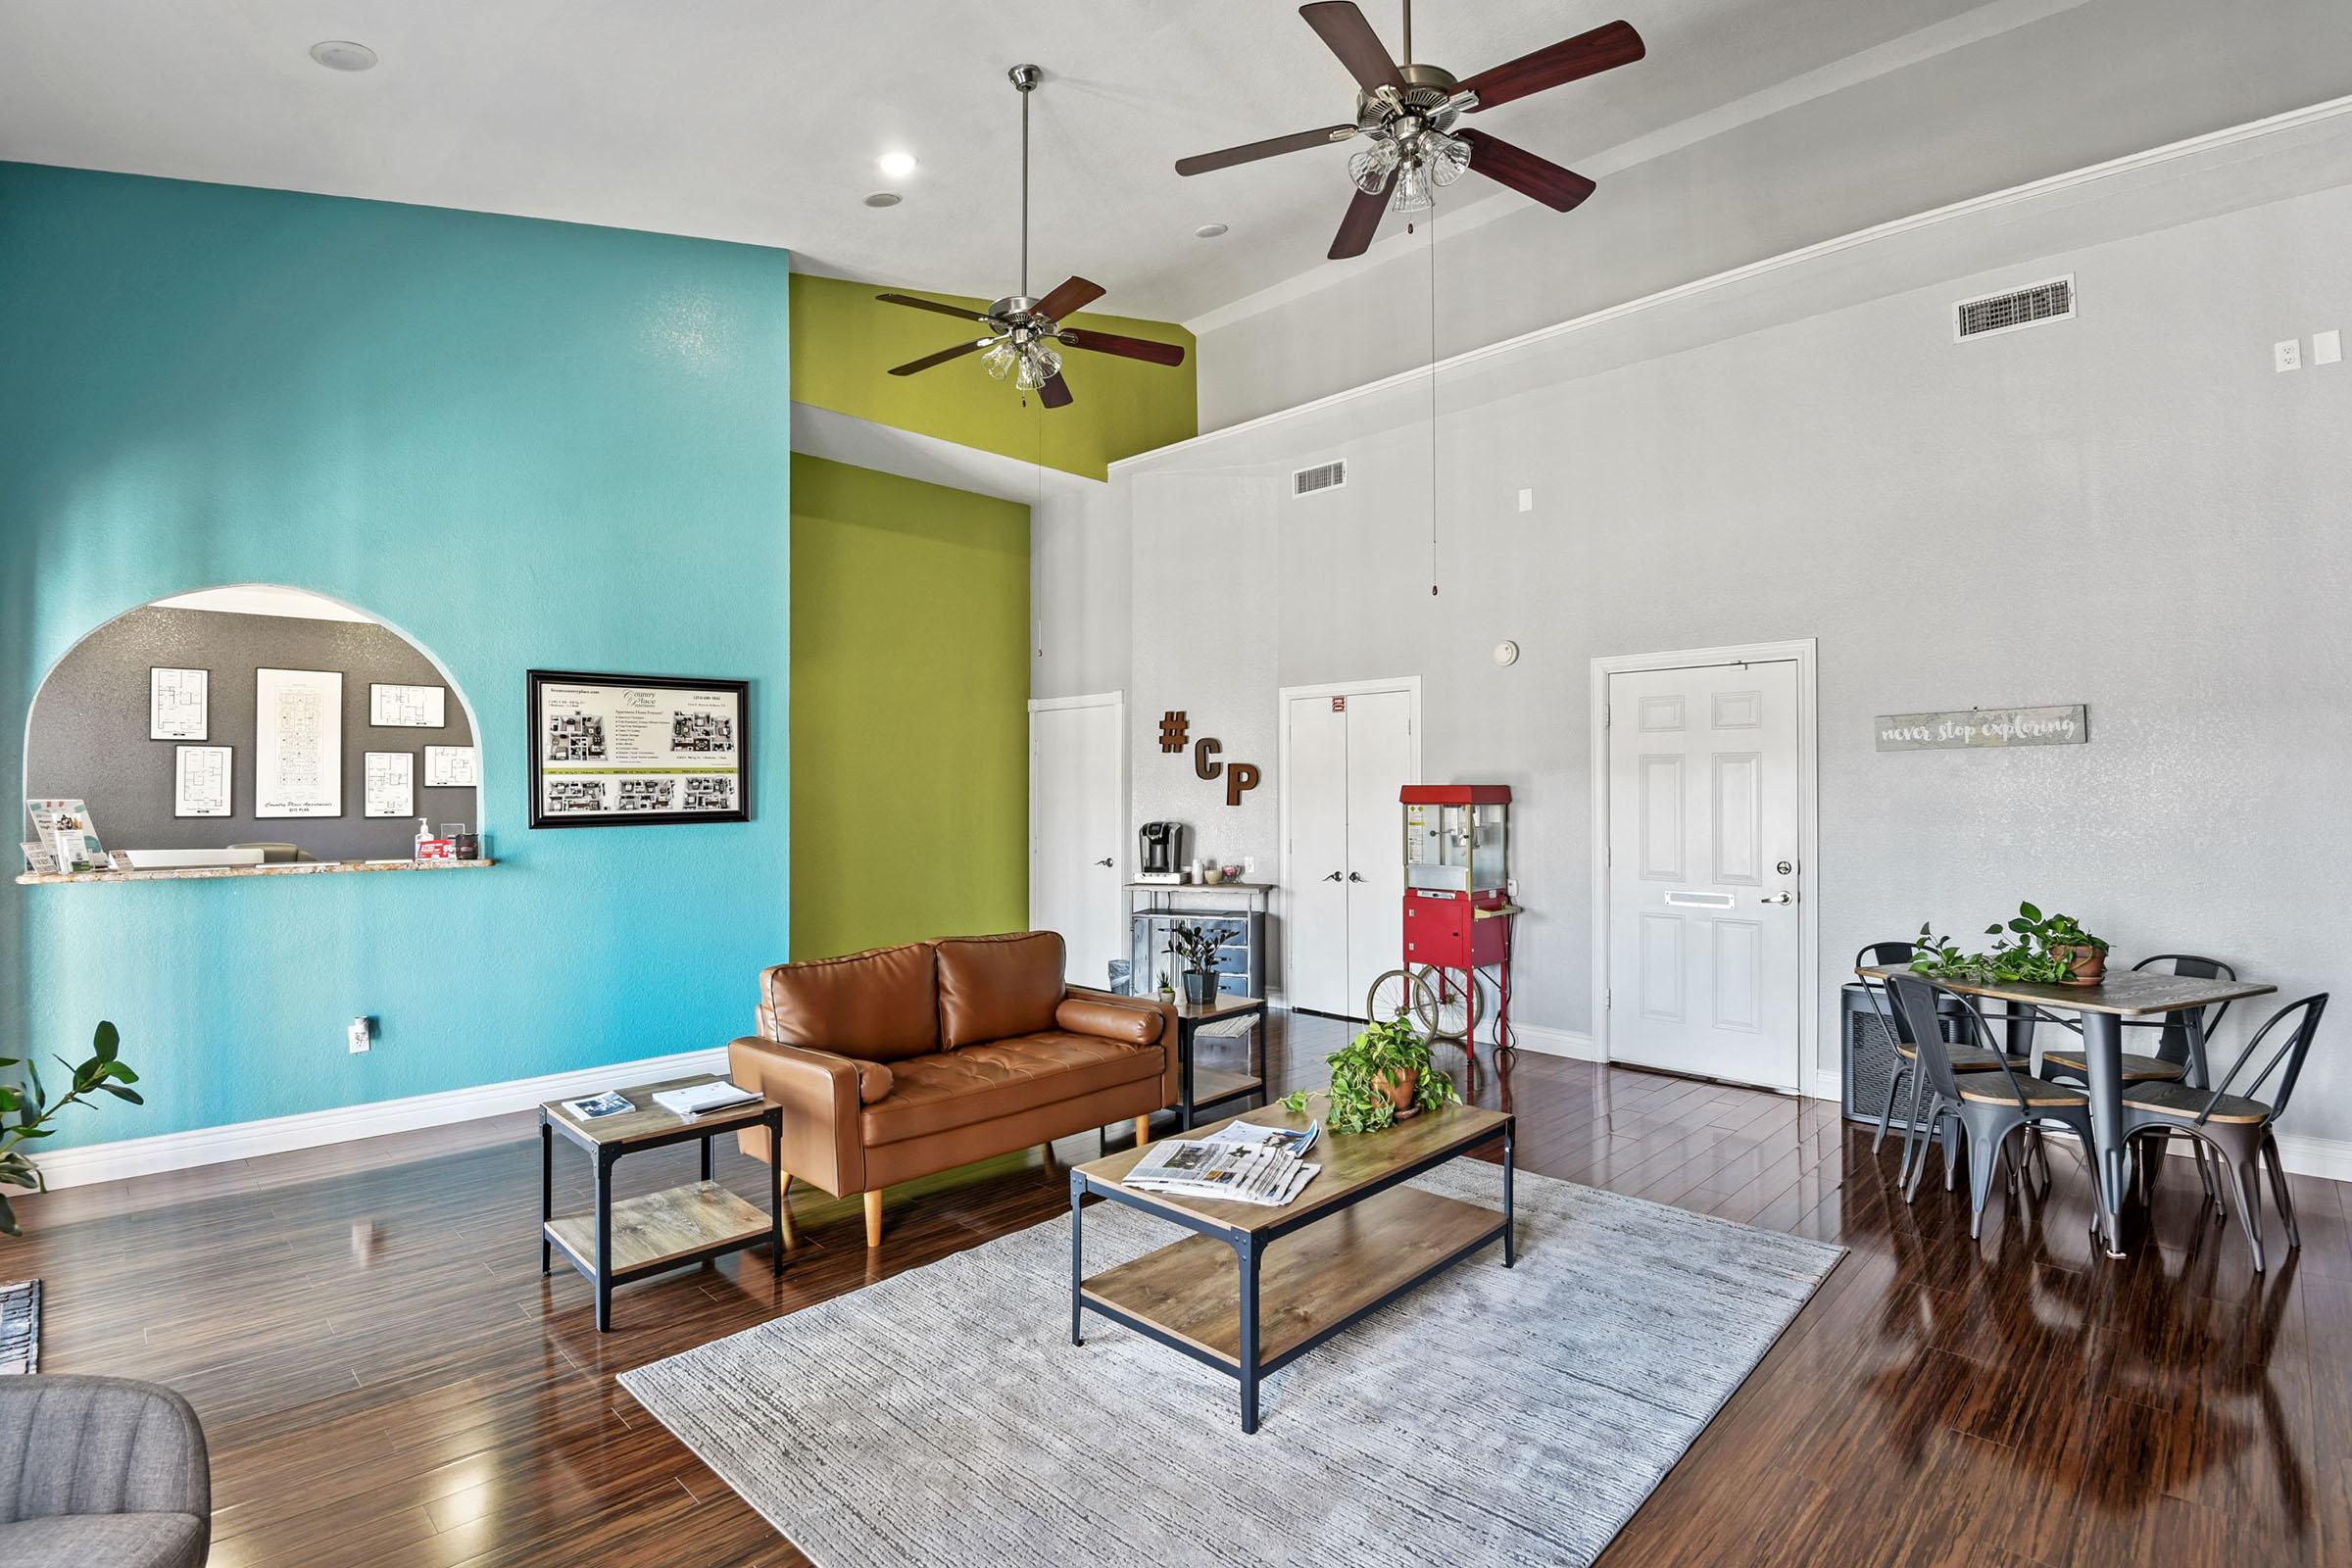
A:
x: 1409, y: 114
x: 1023, y: 332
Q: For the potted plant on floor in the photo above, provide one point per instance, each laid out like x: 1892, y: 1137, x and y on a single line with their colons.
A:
x: 1194, y: 944
x: 1383, y: 1077
x: 32, y: 1111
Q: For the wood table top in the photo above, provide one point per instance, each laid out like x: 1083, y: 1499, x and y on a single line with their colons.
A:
x: 2127, y: 992
x: 1349, y: 1161
x: 1219, y: 1007
x: 650, y: 1120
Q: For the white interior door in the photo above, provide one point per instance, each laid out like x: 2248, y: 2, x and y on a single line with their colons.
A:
x: 1379, y: 763
x: 1703, y: 878
x: 1077, y: 851
x: 1315, y: 900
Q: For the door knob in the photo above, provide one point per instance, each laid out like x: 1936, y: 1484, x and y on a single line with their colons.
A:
x: 1352, y: 877
x: 1783, y: 896
x: 1106, y: 860
x: 1334, y: 877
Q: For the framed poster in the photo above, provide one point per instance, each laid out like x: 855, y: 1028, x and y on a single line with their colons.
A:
x: 622, y: 751
x: 298, y: 743
x: 391, y: 784
x: 407, y: 706
x: 179, y: 703
x: 201, y: 776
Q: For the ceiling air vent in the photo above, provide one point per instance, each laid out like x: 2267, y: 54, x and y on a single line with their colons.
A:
x: 1323, y: 476
x: 2030, y: 306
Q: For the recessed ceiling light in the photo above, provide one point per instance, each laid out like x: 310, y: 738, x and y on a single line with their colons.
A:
x: 896, y: 166
x: 884, y: 198
x: 1208, y: 231
x: 341, y: 54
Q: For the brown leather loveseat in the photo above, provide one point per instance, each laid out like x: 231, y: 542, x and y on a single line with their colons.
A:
x: 902, y: 1062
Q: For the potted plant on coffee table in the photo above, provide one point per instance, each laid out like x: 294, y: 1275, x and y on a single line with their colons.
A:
x: 1382, y: 1077
x: 1194, y: 944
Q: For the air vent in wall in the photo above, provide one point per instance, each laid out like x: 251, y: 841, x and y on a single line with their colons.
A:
x: 2031, y: 306
x: 1323, y: 476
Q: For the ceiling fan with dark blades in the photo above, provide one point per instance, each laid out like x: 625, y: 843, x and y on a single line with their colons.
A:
x: 1409, y: 115
x: 1022, y: 333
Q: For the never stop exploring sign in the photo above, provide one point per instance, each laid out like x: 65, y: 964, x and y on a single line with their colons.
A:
x: 1982, y: 726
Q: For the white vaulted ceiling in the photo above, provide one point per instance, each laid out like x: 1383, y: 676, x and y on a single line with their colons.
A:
x: 760, y: 120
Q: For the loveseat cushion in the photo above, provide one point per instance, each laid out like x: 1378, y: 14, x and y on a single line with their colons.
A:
x: 877, y: 1006
x: 994, y: 988
x: 981, y: 1083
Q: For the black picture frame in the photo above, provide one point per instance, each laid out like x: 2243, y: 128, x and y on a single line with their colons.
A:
x: 540, y: 817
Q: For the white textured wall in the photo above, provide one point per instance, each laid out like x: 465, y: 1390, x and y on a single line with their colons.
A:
x: 2037, y: 89
x: 2129, y: 511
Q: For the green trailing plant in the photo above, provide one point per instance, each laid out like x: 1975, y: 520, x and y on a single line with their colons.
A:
x: 33, y: 1109
x: 1383, y: 1054
x: 2030, y: 949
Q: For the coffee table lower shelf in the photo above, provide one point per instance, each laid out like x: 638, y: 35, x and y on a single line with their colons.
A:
x: 1327, y: 1276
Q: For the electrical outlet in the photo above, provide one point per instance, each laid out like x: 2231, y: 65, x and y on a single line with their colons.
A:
x: 2287, y: 356
x: 361, y: 1034
x: 2327, y: 348
x: 1249, y: 865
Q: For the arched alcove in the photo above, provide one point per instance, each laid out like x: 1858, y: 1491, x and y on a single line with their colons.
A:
x: 113, y: 717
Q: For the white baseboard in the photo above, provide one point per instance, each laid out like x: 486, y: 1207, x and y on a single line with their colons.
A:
x: 244, y: 1140
x: 1828, y: 1083
x: 1555, y: 1041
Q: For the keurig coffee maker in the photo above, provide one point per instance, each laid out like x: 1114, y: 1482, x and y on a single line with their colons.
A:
x: 1161, y: 855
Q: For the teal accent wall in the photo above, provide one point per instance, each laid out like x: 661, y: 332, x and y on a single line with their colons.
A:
x: 521, y: 443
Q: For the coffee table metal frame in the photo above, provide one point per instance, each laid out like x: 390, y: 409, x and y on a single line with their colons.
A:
x: 1249, y: 1249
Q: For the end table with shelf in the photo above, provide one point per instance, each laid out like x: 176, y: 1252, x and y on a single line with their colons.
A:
x: 615, y: 1243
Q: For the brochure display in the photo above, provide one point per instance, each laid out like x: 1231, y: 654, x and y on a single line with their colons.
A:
x: 610, y: 750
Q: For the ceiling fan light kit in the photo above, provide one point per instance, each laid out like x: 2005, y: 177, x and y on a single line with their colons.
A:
x: 1409, y: 116
x: 1025, y: 337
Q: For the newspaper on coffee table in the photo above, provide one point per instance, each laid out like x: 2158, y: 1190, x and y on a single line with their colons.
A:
x: 1239, y: 1163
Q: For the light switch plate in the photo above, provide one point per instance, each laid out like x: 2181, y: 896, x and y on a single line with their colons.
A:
x: 1527, y: 501
x: 2327, y: 348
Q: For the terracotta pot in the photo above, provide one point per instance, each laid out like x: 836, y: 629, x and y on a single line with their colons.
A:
x: 1401, y: 1088
x: 2085, y: 967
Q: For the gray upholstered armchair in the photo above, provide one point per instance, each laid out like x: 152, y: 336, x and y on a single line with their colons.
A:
x: 101, y: 1470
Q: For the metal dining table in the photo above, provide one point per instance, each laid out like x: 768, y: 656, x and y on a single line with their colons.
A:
x: 2102, y: 1010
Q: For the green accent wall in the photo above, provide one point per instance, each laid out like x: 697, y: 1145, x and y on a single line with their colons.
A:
x: 843, y: 342
x: 910, y: 710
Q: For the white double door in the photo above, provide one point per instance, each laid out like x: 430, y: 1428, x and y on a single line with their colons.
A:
x: 1349, y: 755
x: 1077, y: 830
x: 1703, y: 879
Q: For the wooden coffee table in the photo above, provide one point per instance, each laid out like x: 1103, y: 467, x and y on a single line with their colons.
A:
x: 616, y: 1242
x: 1222, y: 1299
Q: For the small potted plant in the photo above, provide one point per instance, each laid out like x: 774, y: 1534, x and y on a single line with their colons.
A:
x: 33, y: 1109
x: 1383, y: 1077
x: 2082, y: 956
x: 1194, y: 944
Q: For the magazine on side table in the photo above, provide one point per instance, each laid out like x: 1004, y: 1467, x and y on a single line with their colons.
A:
x: 1240, y: 1162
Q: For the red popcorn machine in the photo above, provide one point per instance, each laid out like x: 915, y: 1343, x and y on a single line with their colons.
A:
x: 1457, y: 912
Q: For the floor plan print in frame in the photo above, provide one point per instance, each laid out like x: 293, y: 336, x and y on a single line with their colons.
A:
x: 1982, y: 726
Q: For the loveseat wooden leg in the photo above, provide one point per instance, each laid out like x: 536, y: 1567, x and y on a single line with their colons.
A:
x: 1143, y: 1131
x: 873, y: 1218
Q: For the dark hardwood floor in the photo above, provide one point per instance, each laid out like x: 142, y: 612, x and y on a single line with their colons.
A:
x: 385, y: 1378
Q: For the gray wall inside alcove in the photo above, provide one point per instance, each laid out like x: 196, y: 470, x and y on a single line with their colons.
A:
x: 89, y: 733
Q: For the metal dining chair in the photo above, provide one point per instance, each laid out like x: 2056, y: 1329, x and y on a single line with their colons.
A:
x: 2238, y: 1128
x: 1985, y: 1107
x: 1963, y: 1058
x: 2180, y: 1055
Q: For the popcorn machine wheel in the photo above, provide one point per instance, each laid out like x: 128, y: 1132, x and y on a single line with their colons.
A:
x: 1457, y: 914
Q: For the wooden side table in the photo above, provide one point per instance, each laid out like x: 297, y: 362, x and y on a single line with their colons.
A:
x: 636, y: 1236
x: 1200, y: 1088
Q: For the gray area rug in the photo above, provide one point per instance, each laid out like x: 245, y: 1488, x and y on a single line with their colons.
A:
x: 1493, y: 1416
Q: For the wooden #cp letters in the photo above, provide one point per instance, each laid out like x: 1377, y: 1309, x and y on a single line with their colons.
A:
x: 1239, y: 777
